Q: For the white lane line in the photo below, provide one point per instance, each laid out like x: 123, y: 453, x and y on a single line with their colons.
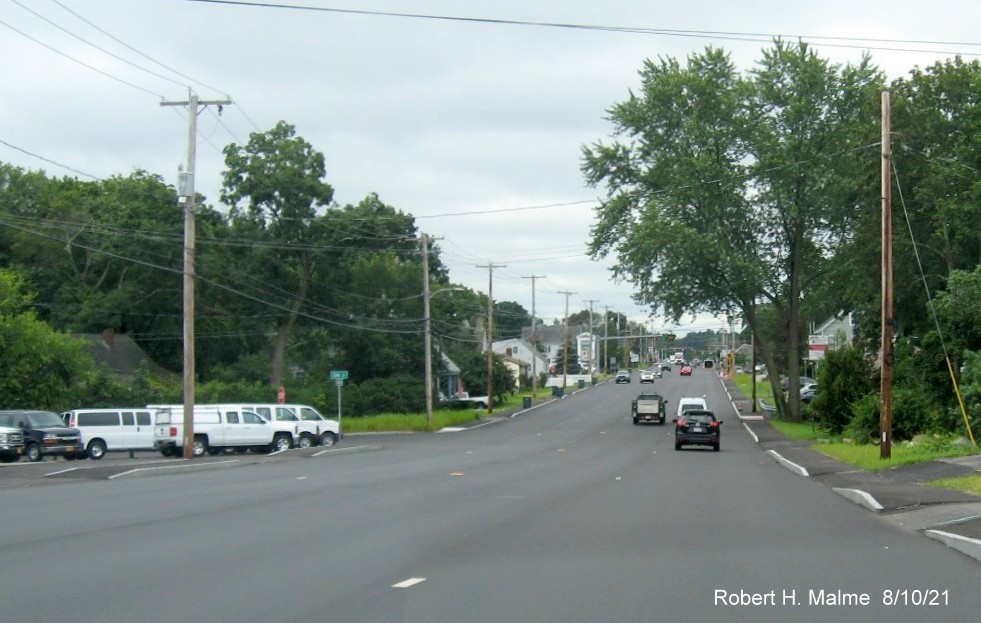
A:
x: 750, y: 430
x: 153, y: 469
x: 409, y: 582
x: 63, y: 471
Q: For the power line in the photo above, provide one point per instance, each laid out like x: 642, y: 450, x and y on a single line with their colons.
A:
x: 696, y: 34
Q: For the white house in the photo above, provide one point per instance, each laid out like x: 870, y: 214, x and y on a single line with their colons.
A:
x: 522, y: 351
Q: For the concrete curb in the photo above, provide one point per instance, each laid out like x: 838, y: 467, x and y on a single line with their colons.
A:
x: 794, y: 467
x: 965, y: 545
x: 860, y: 497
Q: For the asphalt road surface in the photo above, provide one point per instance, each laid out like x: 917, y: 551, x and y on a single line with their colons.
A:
x: 566, y: 513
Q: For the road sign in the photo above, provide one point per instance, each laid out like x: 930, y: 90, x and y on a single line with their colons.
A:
x: 338, y: 375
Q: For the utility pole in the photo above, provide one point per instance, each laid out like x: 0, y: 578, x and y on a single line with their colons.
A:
x: 424, y: 241
x: 592, y: 338
x: 490, y: 333
x: 565, y: 345
x: 534, y: 342
x: 885, y: 379
x: 606, y: 338
x: 186, y: 189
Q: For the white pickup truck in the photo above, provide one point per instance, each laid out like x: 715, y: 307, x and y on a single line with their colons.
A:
x: 313, y: 428
x: 219, y: 427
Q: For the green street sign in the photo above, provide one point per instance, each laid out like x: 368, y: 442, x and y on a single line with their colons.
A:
x: 338, y: 375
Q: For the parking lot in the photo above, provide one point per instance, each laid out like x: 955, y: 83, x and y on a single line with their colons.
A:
x: 146, y: 464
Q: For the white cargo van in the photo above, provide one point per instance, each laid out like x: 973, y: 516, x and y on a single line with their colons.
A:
x: 110, y: 430
x: 217, y: 428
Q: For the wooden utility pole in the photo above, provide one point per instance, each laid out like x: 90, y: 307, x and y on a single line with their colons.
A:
x: 592, y: 338
x: 534, y: 338
x: 186, y: 189
x: 490, y: 333
x: 606, y: 338
x: 565, y: 344
x: 424, y: 242
x: 885, y: 379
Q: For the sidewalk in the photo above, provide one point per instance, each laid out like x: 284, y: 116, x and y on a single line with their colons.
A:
x: 900, y: 495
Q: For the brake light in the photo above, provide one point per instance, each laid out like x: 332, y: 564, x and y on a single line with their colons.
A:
x: 173, y: 431
x: 682, y: 423
x: 714, y: 424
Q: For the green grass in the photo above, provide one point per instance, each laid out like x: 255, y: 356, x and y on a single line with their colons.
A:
x: 744, y: 381
x: 416, y: 422
x: 800, y: 430
x: 409, y: 422
x: 967, y: 484
x: 867, y: 456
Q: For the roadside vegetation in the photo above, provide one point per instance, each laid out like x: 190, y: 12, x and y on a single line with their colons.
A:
x: 293, y: 286
x: 967, y: 484
x: 850, y: 435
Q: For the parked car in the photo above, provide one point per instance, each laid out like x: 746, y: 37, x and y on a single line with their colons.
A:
x: 313, y: 428
x: 11, y: 442
x: 685, y: 371
x: 697, y: 427
x: 108, y: 430
x: 622, y: 376
x: 218, y: 428
x: 45, y: 434
x: 804, y: 380
x: 808, y: 392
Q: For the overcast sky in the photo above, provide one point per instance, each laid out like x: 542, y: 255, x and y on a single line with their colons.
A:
x: 473, y: 127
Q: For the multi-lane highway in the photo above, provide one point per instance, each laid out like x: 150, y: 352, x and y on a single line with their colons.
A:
x: 567, y: 512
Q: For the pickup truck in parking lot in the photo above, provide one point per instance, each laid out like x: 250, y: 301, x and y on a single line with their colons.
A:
x: 217, y: 428
x: 11, y: 443
x: 44, y: 434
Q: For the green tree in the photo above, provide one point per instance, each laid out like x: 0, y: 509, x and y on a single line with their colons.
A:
x: 274, y: 185
x: 41, y: 367
x: 730, y: 190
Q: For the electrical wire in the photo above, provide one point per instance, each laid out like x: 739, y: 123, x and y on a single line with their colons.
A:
x: 697, y: 34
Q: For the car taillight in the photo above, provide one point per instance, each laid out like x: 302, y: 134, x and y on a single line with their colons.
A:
x: 714, y: 424
x: 173, y: 431
x: 682, y: 423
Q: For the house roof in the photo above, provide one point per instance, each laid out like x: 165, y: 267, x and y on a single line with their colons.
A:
x: 118, y: 352
x: 551, y: 335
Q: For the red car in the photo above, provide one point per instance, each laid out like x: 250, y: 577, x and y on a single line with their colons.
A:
x: 685, y: 371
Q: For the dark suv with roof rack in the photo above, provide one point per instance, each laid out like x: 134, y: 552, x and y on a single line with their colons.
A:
x: 45, y: 434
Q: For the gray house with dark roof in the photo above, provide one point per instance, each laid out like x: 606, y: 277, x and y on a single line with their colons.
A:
x: 118, y: 352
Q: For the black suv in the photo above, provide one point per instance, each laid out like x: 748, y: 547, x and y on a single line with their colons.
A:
x: 45, y: 433
x: 697, y: 428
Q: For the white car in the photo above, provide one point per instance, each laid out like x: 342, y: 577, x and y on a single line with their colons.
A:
x: 647, y: 376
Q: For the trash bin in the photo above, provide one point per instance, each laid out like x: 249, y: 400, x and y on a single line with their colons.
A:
x: 526, y: 402
x: 558, y: 392
x: 594, y: 380
x: 582, y: 383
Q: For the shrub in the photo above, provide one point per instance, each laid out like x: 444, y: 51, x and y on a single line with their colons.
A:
x: 845, y: 377
x: 863, y: 427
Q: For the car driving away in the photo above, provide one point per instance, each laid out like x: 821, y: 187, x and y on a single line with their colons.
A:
x: 697, y: 427
x: 622, y: 376
x: 685, y: 371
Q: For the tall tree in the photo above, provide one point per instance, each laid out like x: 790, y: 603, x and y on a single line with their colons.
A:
x: 732, y: 189
x: 274, y: 185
